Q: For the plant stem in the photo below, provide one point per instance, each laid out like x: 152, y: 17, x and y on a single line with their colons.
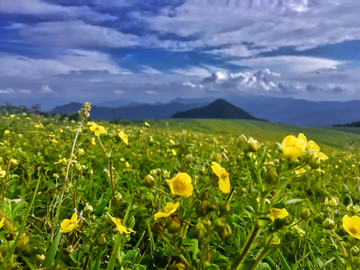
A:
x: 262, y: 254
x: 112, y: 184
x: 6, y: 179
x: 240, y: 257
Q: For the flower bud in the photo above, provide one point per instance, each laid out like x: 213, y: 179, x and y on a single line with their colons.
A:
x: 101, y: 240
x: 202, y: 170
x: 212, y: 205
x: 305, y: 213
x: 314, y: 162
x: 272, y: 177
x: 354, y: 250
x: 217, y: 158
x: 23, y: 241
x: 188, y: 158
x: 202, y: 209
x: 319, y: 218
x: 178, y: 266
x: 173, y: 224
x: 88, y: 208
x: 200, y: 231
x: 219, y: 224
x: 10, y: 236
x: 225, y: 208
x: 204, y: 195
x: 225, y: 232
x: 308, y: 155
x: 253, y: 145
x: 158, y: 227
x: 149, y: 181
x: 328, y: 224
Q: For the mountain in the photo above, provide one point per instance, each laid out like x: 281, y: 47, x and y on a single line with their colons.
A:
x: 118, y: 103
x: 219, y: 109
x: 138, y: 112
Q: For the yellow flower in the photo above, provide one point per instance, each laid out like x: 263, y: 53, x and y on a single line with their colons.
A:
x: 2, y: 173
x: 6, y: 132
x: 2, y: 222
x: 121, y: 228
x: 278, y: 213
x: 300, y: 171
x: 147, y: 124
x: 93, y: 141
x: 181, y: 185
x: 54, y: 141
x: 169, y: 209
x: 224, y: 180
x: 124, y: 137
x: 97, y: 129
x: 293, y: 147
x: 61, y: 161
x: 311, y: 145
x: 321, y: 156
x: 173, y: 152
x: 352, y: 225
x: 68, y: 225
x: 172, y: 142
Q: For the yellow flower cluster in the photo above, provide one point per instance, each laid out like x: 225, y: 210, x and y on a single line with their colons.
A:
x: 293, y: 147
x: 97, y: 129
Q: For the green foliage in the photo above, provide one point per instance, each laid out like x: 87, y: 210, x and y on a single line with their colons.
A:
x: 276, y: 215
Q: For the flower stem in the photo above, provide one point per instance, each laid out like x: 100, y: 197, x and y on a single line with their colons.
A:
x: 240, y: 257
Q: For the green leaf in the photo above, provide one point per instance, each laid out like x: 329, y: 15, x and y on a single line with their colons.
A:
x: 50, y: 255
x: 283, y: 261
x: 263, y: 266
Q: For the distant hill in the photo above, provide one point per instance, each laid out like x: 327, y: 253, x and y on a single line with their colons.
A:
x: 352, y: 124
x: 138, y: 112
x: 219, y: 109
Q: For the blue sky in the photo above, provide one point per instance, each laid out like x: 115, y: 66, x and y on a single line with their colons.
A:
x: 52, y: 52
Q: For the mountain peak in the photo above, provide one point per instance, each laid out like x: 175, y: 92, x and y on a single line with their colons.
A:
x: 218, y: 109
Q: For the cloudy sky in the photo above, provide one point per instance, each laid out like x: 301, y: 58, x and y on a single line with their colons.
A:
x: 56, y: 51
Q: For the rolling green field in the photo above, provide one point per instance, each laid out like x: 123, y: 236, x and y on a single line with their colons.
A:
x: 177, y: 194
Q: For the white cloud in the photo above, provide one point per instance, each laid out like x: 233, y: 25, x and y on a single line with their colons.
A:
x: 46, y: 89
x: 6, y: 91
x: 43, y: 8
x: 77, y: 34
x: 289, y: 64
x: 150, y: 70
x: 266, y: 25
x: 149, y: 92
x: 192, y: 71
x: 118, y: 91
x: 25, y: 91
x: 189, y: 84
x: 72, y: 61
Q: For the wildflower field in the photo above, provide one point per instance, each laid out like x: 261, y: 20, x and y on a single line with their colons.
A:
x: 176, y: 194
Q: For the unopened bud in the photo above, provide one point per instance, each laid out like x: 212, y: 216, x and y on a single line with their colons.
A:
x: 204, y: 195
x: 202, y: 209
x: 202, y: 170
x: 328, y: 224
x: 354, y: 250
x: 219, y: 224
x: 212, y: 205
x: 272, y: 177
x: 200, y: 231
x: 10, y: 236
x: 149, y: 181
x: 23, y: 241
x: 88, y: 208
x: 305, y: 214
x: 319, y: 218
x: 315, y: 162
x: 253, y: 145
x: 158, y: 227
x: 225, y: 232
x: 225, y: 208
x: 189, y: 158
x: 173, y: 224
x: 217, y: 158
x: 101, y: 240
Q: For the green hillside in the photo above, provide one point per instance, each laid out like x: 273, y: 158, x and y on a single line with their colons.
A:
x: 328, y: 138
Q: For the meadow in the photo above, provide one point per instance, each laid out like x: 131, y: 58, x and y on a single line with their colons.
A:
x: 177, y: 194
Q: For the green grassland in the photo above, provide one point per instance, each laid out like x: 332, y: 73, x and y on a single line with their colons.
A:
x: 80, y: 196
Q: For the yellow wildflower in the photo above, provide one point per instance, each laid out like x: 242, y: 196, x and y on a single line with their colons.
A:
x: 224, y: 180
x: 2, y: 173
x: 2, y: 222
x: 278, y: 213
x: 93, y: 141
x: 97, y: 129
x: 12, y: 115
x: 352, y: 225
x: 147, y: 124
x: 121, y: 228
x: 172, y: 142
x: 61, y: 161
x: 68, y: 225
x: 311, y: 145
x: 321, y: 156
x: 173, y: 152
x: 300, y: 171
x: 55, y: 175
x: 169, y: 209
x: 276, y: 241
x: 54, y: 141
x: 124, y: 137
x: 181, y: 185
x: 293, y: 147
x: 6, y: 132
